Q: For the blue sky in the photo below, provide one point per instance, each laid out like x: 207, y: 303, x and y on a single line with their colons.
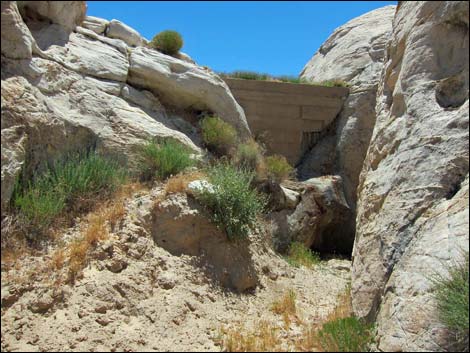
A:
x: 276, y: 37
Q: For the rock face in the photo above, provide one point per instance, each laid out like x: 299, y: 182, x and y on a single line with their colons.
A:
x: 181, y: 227
x: 117, y: 29
x: 354, y: 53
x: 65, y: 91
x: 96, y: 24
x: 316, y: 220
x: 185, y: 85
x: 16, y: 38
x: 67, y: 14
x: 412, y: 213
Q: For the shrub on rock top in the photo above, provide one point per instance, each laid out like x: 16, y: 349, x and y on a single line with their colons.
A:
x: 167, y: 42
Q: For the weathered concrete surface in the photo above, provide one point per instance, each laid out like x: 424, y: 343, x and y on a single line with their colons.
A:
x: 292, y: 115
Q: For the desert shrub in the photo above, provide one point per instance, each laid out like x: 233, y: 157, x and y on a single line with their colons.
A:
x: 278, y: 168
x: 249, y: 75
x: 219, y: 136
x: 249, y: 155
x: 299, y: 255
x: 452, y: 296
x: 78, y: 176
x: 292, y: 79
x: 345, y: 335
x: 167, y: 42
x: 233, y: 204
x: 165, y: 158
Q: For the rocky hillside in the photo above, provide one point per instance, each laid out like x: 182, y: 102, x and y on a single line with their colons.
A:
x: 145, y: 269
x: 63, y: 89
x: 150, y: 265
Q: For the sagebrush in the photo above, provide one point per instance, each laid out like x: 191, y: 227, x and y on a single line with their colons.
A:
x: 278, y: 168
x: 234, y: 205
x: 249, y: 155
x: 219, y: 136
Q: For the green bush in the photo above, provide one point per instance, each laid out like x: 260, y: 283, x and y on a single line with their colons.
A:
x: 300, y: 255
x: 278, y: 168
x: 345, y: 335
x: 249, y: 155
x: 233, y: 204
x: 452, y: 296
x: 167, y: 42
x: 78, y: 176
x: 248, y: 75
x: 292, y: 79
x: 164, y: 159
x: 219, y: 136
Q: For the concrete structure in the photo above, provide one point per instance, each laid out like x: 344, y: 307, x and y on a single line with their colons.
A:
x: 291, y: 115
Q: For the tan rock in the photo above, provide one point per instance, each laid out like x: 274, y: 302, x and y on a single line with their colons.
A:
x: 354, y: 53
x: 68, y: 14
x: 13, y: 157
x: 317, y: 219
x: 185, y: 86
x: 413, y: 191
x: 181, y: 227
x: 16, y: 38
x: 117, y: 29
x: 96, y: 24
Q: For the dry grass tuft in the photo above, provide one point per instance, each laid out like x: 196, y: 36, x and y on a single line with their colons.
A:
x: 286, y: 307
x: 343, y: 308
x: 58, y: 259
x: 179, y: 183
x: 264, y: 338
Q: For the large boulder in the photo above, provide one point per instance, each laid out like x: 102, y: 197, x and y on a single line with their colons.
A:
x: 185, y: 86
x: 316, y: 220
x: 67, y: 14
x: 118, y: 30
x: 181, y: 226
x: 354, y: 53
x: 96, y: 24
x: 16, y: 39
x: 412, y: 214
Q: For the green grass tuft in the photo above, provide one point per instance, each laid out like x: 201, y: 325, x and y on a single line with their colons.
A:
x: 452, y: 295
x: 220, y: 137
x: 300, y: 255
x: 163, y: 159
x: 78, y: 176
x: 233, y: 204
x: 345, y: 335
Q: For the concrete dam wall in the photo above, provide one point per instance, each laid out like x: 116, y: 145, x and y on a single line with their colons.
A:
x: 291, y: 115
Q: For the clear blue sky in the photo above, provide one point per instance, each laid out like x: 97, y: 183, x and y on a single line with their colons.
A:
x: 276, y: 37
